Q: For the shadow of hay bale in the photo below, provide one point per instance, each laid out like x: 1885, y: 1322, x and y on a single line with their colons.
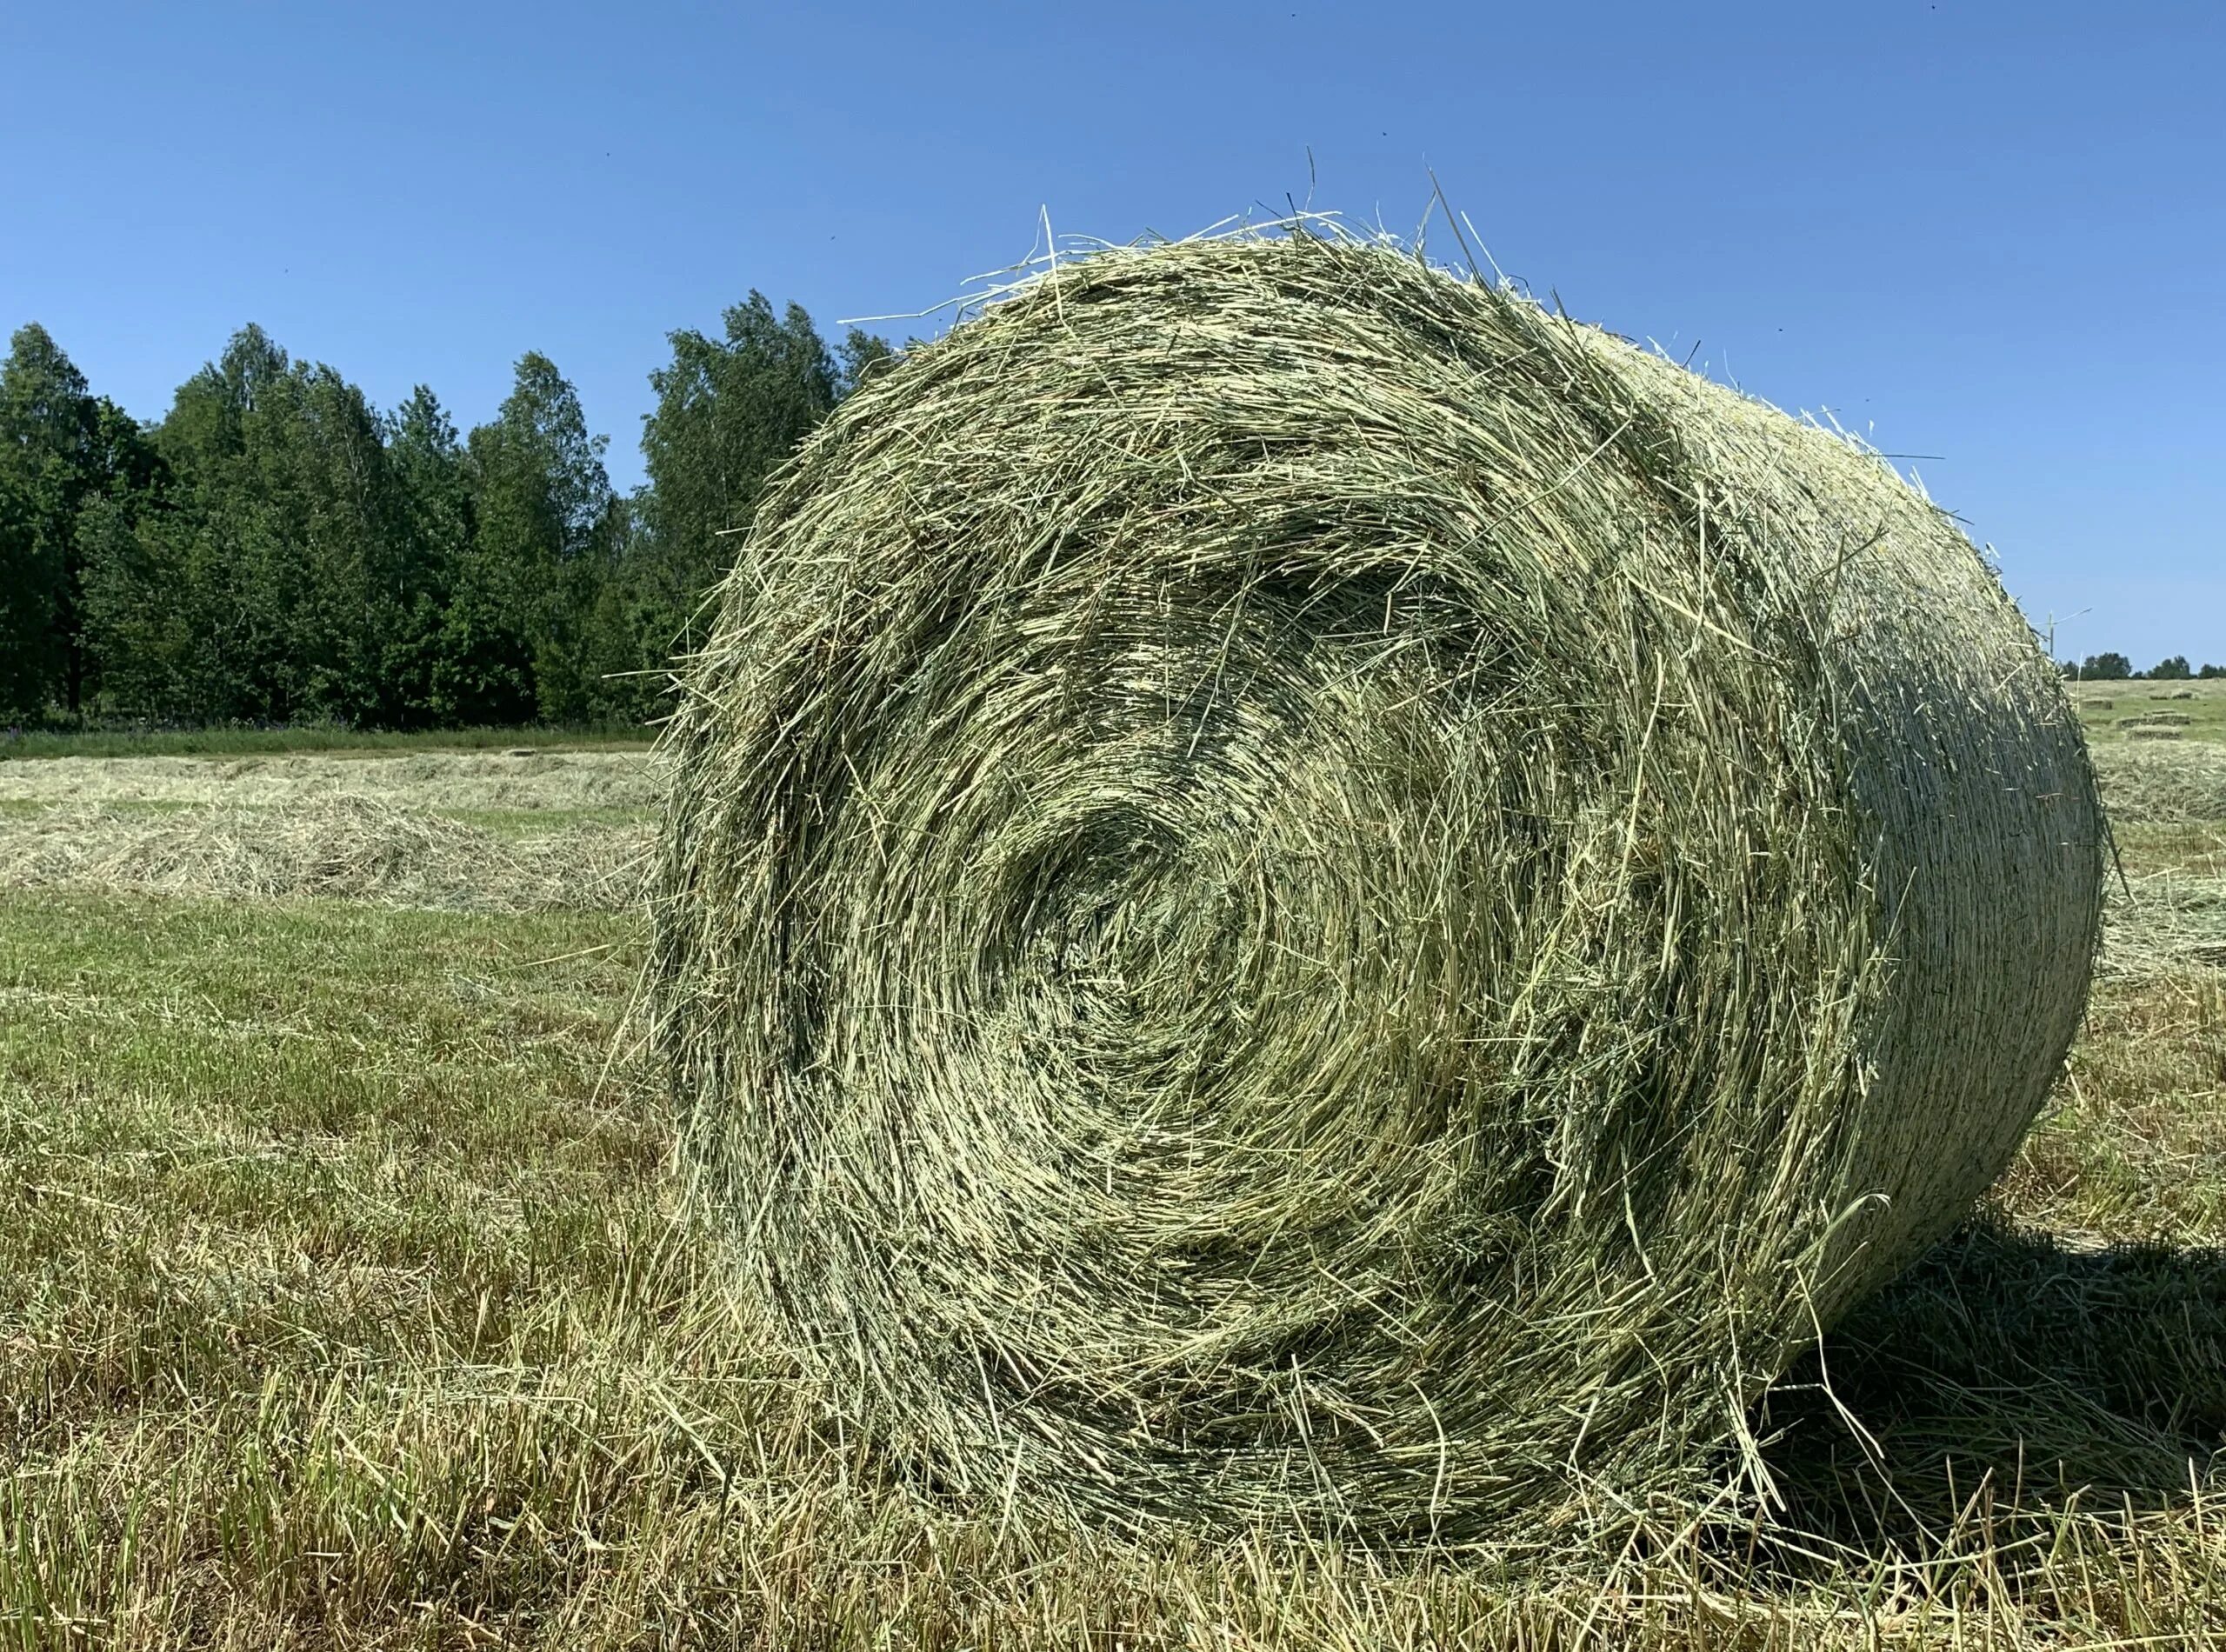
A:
x: 2041, y: 1374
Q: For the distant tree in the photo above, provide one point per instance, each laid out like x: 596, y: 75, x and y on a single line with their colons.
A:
x: 28, y: 583
x: 2210, y: 671
x: 274, y: 581
x: 276, y: 548
x: 629, y: 631
x: 61, y: 447
x: 44, y: 407
x: 141, y: 619
x: 729, y: 410
x: 132, y: 483
x: 864, y: 354
x: 542, y: 510
x: 2106, y: 668
x: 2173, y: 669
x: 426, y: 461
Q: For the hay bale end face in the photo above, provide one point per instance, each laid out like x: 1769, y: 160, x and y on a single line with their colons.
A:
x: 1297, y: 892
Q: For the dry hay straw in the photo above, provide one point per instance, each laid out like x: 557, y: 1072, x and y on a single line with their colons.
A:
x: 435, y: 780
x: 1299, y: 892
x: 348, y: 847
x: 2148, y: 785
x: 2172, y: 916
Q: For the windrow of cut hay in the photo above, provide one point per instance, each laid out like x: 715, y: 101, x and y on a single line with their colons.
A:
x: 1298, y: 892
x: 526, y: 782
x: 2156, y: 785
x: 346, y: 847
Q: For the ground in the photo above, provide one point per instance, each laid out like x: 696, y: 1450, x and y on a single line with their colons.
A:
x: 343, y: 1302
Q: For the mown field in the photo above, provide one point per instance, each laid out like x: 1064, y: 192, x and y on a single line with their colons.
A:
x: 2116, y: 712
x: 344, y: 1298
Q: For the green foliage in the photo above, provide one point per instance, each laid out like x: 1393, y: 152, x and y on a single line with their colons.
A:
x: 545, y: 517
x: 2105, y: 667
x: 275, y: 582
x: 2175, y: 669
x: 728, y: 411
x: 426, y: 460
x: 247, y: 741
x: 277, y: 550
x: 27, y: 583
x: 62, y: 451
x: 864, y: 354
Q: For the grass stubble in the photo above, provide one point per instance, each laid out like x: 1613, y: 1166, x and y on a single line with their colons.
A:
x: 345, y: 1300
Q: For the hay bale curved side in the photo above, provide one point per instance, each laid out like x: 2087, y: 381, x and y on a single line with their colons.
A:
x: 1296, y: 891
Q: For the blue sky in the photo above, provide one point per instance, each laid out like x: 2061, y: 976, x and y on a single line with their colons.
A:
x: 1995, y: 233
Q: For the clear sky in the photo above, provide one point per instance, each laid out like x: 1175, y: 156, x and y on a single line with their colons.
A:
x: 1992, y: 232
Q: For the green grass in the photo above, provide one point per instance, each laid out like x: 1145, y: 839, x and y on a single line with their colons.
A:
x: 342, y: 1303
x: 230, y: 742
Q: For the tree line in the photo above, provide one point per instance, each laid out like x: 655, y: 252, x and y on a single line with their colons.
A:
x: 276, y: 549
x: 2113, y: 666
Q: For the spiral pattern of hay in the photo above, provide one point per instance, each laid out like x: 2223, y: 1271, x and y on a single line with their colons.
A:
x: 1297, y: 890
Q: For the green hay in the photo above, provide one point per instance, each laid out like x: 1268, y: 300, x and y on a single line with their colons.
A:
x: 1298, y: 893
x: 344, y: 846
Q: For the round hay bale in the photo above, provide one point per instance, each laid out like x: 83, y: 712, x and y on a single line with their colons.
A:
x: 1298, y: 891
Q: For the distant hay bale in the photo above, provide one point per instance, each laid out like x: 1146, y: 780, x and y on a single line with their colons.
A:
x: 1298, y: 892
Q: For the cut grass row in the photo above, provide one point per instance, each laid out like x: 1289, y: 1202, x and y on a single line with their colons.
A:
x: 248, y: 742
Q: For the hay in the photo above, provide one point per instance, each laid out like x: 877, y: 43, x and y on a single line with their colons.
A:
x: 2171, y: 919
x: 347, y: 847
x: 2148, y: 785
x: 527, y: 781
x: 1298, y: 892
